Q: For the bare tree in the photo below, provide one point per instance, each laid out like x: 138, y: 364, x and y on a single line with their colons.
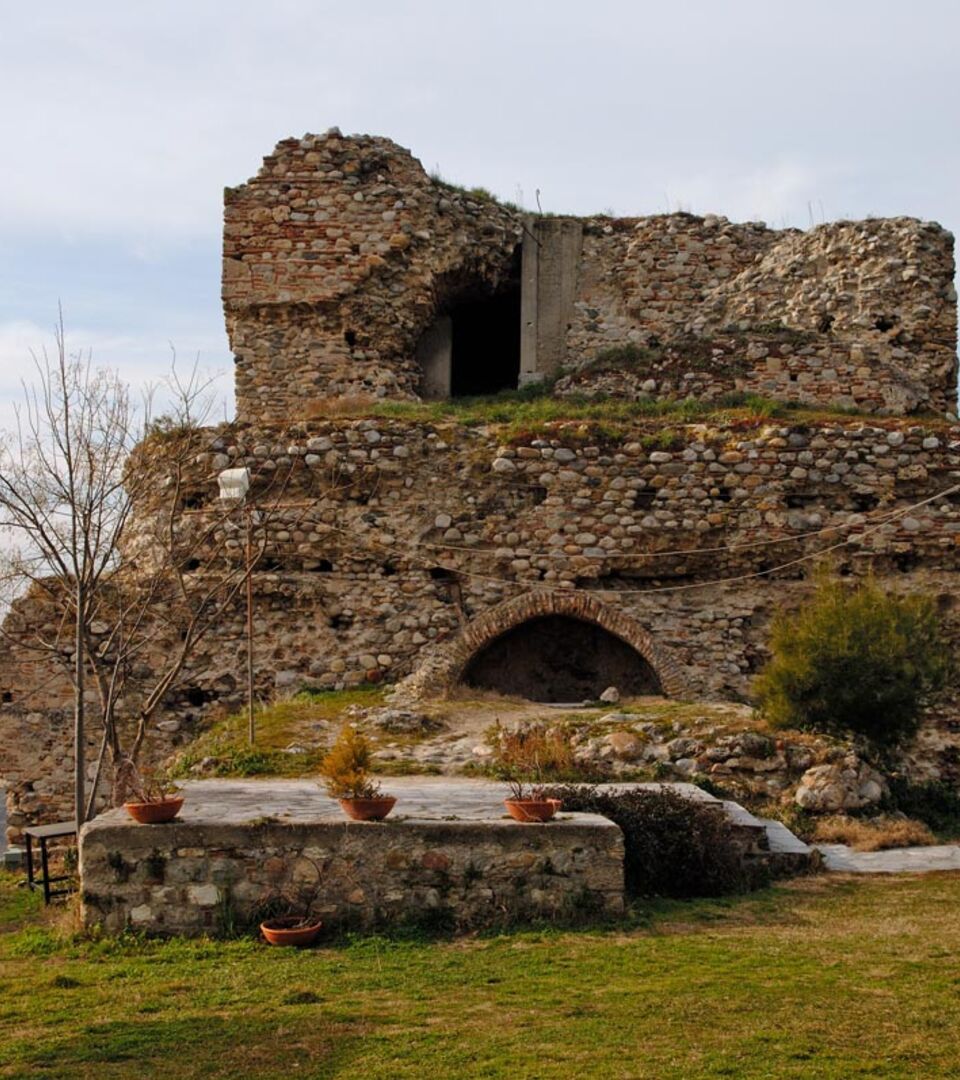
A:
x: 97, y: 496
x: 63, y: 499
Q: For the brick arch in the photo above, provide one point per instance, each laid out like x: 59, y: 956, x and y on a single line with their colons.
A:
x: 454, y: 656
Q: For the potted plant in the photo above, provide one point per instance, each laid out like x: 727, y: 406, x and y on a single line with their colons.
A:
x: 346, y: 774
x: 149, y: 798
x: 288, y: 916
x: 534, y: 806
x: 520, y: 756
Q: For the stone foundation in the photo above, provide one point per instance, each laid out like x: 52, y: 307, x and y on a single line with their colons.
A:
x: 218, y: 867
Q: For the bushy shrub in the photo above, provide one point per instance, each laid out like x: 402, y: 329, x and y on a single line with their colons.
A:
x: 346, y: 768
x: 854, y: 661
x: 674, y: 846
x: 934, y: 803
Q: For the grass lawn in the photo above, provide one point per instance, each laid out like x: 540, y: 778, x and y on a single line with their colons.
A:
x: 819, y: 978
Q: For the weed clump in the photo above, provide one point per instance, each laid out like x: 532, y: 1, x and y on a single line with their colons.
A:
x: 872, y: 834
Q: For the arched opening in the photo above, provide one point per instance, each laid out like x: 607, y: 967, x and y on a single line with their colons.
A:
x: 558, y: 658
x: 473, y: 346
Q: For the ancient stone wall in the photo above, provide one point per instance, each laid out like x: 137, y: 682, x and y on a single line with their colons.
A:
x: 395, y: 549
x: 420, y: 543
x: 337, y: 256
x: 342, y: 254
x: 186, y: 877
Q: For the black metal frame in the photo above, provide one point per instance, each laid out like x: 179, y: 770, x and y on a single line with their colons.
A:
x: 43, y: 833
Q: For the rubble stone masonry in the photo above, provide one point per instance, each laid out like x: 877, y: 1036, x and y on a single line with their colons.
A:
x: 413, y: 543
x: 342, y: 253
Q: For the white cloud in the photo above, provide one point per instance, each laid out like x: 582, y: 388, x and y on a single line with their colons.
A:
x: 142, y: 361
x: 122, y: 122
x: 130, y: 118
x: 783, y: 192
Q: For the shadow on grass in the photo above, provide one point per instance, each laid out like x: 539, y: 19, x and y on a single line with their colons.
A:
x: 202, y: 1046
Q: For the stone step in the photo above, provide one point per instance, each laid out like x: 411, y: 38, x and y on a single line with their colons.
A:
x: 775, y: 844
x: 13, y: 858
x: 782, y: 841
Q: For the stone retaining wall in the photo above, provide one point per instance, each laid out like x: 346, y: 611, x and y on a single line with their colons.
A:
x: 192, y: 877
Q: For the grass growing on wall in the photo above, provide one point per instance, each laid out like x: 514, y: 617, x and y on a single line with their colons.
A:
x: 529, y: 410
x: 821, y: 978
x: 288, y: 731
x: 534, y: 405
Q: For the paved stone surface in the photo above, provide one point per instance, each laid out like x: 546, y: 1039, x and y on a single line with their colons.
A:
x: 912, y: 860
x: 421, y: 797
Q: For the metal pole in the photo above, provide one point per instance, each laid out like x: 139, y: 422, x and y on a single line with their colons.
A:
x: 251, y: 729
x: 79, y: 708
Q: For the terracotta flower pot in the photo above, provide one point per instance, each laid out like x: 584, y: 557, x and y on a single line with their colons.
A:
x: 154, y: 813
x: 290, y: 930
x: 531, y: 809
x: 375, y: 809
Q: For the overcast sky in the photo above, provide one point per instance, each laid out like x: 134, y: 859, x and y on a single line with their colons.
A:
x: 121, y: 123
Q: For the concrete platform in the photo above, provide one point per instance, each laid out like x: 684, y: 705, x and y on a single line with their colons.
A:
x: 448, y: 854
x: 436, y: 798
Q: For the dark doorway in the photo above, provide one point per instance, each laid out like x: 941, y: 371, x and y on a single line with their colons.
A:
x: 485, y: 353
x: 557, y: 658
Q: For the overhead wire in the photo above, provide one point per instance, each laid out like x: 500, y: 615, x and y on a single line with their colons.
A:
x: 539, y: 586
x: 524, y: 553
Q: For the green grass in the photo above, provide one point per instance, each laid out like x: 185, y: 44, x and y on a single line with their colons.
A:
x: 534, y: 405
x: 822, y: 978
x: 525, y: 413
x: 306, y: 719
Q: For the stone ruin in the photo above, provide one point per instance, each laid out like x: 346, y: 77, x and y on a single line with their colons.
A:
x: 553, y: 557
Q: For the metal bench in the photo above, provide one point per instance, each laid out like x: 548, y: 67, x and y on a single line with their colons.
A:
x: 43, y: 834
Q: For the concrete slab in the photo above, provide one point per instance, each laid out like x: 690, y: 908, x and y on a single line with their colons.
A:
x: 437, y: 798
x: 912, y: 860
x: 781, y: 839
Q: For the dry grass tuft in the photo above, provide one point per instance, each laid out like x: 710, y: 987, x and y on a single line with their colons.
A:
x: 873, y: 834
x: 351, y: 405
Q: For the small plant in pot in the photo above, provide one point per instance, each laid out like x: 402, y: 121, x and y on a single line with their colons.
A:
x: 148, y: 797
x: 522, y: 756
x: 288, y: 917
x: 532, y: 806
x: 346, y: 774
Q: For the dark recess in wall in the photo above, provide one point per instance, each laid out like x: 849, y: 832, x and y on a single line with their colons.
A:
x: 486, y: 345
x: 558, y: 658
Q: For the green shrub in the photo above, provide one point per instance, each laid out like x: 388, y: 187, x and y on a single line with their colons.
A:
x: 934, y: 803
x: 854, y: 661
x: 673, y: 846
